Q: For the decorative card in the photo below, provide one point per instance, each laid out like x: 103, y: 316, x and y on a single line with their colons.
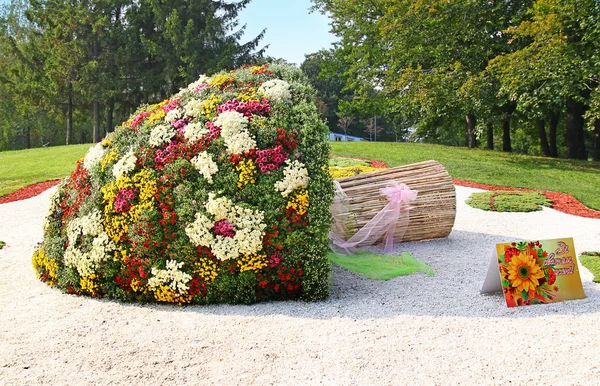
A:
x: 534, y: 272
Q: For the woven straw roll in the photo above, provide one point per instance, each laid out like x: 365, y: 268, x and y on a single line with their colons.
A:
x: 432, y: 214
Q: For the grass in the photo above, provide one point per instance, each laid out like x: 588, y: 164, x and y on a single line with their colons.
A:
x: 505, y: 201
x: 337, y: 162
x: 591, y: 260
x: 25, y: 167
x: 578, y: 178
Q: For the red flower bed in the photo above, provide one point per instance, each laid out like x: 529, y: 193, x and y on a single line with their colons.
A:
x: 28, y: 191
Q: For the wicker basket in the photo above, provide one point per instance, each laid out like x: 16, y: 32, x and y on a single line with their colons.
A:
x: 432, y: 214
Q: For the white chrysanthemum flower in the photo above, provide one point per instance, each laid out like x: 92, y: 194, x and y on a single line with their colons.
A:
x: 124, y: 165
x: 72, y: 256
x: 172, y: 275
x: 87, y: 262
x: 276, y: 90
x: 90, y: 225
x: 54, y: 203
x: 199, y: 231
x: 225, y: 248
x: 161, y: 134
x: 195, y: 131
x: 234, y: 130
x: 205, y: 165
x: 249, y: 235
x: 295, y: 176
x: 218, y: 207
x: 194, y: 85
x: 239, y: 143
x: 93, y: 156
x: 173, y: 115
x: 193, y: 108
x: 248, y: 224
x: 231, y: 122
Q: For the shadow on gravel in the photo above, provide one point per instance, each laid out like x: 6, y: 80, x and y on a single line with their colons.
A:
x: 460, y: 264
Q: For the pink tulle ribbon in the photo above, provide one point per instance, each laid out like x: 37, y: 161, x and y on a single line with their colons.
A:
x: 394, y: 216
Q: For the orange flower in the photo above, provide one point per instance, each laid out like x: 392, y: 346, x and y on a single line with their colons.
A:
x: 524, y: 272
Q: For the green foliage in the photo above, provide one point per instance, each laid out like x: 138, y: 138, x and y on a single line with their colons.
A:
x: 578, y: 178
x: 2, y: 244
x: 591, y: 260
x: 508, y: 201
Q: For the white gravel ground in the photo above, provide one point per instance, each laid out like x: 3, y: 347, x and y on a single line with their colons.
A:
x: 410, y: 330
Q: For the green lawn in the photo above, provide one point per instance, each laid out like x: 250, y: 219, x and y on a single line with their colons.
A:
x: 579, y: 178
x: 591, y: 260
x: 20, y: 168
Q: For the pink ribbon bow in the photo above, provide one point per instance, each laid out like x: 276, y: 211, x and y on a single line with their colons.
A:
x: 395, y: 215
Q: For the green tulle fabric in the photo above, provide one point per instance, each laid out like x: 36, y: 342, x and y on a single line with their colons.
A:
x: 380, y: 267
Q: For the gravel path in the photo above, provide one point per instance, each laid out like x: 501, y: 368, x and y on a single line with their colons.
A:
x: 410, y: 330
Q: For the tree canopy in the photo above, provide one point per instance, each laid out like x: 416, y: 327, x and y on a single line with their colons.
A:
x: 487, y: 66
x: 83, y: 64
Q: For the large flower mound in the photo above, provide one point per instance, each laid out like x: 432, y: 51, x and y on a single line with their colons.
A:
x: 219, y: 194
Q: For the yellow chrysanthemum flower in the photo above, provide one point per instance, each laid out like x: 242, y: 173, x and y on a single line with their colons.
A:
x: 247, y: 171
x: 253, y: 262
x: 220, y: 79
x: 43, y: 263
x: 88, y: 284
x: 524, y: 272
x: 299, y: 202
x: 207, y: 269
x: 110, y: 158
x: 349, y: 171
x: 209, y: 106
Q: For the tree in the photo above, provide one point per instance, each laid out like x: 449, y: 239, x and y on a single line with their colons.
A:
x: 58, y: 41
x: 109, y: 56
x: 23, y: 120
x: 421, y: 53
x: 552, y: 72
x: 344, y: 122
x: 325, y: 75
x: 372, y: 129
x: 182, y: 39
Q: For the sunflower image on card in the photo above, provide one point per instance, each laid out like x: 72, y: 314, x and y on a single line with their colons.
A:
x: 538, y: 272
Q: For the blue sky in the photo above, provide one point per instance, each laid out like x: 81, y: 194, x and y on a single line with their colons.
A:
x: 292, y: 30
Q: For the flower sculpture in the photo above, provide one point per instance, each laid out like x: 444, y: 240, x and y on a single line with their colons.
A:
x: 218, y: 194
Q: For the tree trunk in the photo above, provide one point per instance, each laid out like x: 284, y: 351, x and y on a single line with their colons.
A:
x: 27, y: 137
x: 596, y: 141
x: 69, y: 138
x: 470, y: 122
x: 506, y: 145
x: 553, y: 128
x: 543, y: 139
x: 490, y: 136
x: 109, y: 115
x: 97, y: 135
x: 575, y: 130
